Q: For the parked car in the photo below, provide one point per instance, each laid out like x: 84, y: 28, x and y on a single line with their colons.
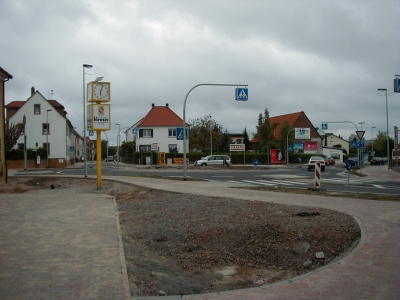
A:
x: 329, y: 161
x: 313, y: 160
x: 377, y: 161
x: 353, y: 161
x: 214, y: 160
x: 385, y: 160
x: 110, y: 158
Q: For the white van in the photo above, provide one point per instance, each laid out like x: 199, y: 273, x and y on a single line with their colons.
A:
x: 214, y: 160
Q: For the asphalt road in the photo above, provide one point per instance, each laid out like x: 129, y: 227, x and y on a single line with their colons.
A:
x: 334, y: 178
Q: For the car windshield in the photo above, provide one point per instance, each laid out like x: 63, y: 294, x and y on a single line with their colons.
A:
x: 316, y: 158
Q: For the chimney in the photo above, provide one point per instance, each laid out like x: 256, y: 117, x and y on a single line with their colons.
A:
x: 152, y: 105
x: 166, y: 104
x: 32, y: 90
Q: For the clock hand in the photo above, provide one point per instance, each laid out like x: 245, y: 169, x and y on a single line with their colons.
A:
x: 101, y: 89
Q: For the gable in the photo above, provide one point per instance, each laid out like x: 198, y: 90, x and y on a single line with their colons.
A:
x: 13, y: 107
x: 296, y: 120
x: 161, y: 116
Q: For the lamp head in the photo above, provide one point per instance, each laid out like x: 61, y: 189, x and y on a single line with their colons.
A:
x: 382, y: 89
x: 99, y: 79
x: 49, y: 110
x: 87, y: 66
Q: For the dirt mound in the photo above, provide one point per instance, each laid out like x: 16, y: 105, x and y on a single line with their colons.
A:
x: 197, y: 244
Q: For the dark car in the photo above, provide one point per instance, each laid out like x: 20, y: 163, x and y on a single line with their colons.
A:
x: 353, y: 161
x: 377, y: 161
x: 329, y: 161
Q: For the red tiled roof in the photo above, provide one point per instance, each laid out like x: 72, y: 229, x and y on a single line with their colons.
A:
x: 292, y: 118
x: 19, y: 104
x: 161, y: 116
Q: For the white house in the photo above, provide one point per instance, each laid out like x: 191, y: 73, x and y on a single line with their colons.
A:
x: 159, y: 126
x: 46, y: 125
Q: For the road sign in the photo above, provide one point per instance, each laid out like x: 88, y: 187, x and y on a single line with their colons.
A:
x: 290, y: 148
x: 237, y: 147
x: 396, y: 83
x: 179, y: 133
x: 348, y: 165
x: 255, y: 162
x: 134, y: 130
x: 324, y: 126
x: 360, y: 145
x: 91, y: 133
x: 360, y: 134
x: 242, y: 94
x: 354, y: 143
x: 71, y: 148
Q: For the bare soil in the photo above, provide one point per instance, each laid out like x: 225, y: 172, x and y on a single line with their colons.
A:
x: 177, y: 244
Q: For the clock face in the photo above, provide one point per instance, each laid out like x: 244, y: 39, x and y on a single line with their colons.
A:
x: 100, y: 91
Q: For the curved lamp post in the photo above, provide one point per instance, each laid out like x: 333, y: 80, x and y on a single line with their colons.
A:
x: 184, y: 119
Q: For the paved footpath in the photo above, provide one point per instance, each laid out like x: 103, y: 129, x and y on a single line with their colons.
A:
x: 60, y: 246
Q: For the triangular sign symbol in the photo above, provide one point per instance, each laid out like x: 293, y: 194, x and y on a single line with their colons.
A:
x: 360, y: 134
x: 242, y: 94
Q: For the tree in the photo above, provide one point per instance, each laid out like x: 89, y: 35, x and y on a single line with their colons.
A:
x: 12, y: 133
x: 380, y: 144
x: 265, y: 131
x: 285, y: 128
x: 201, y: 132
x: 127, y: 148
x: 246, y: 140
x: 225, y: 141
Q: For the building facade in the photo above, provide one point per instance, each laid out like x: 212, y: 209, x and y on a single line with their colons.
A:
x: 48, y: 127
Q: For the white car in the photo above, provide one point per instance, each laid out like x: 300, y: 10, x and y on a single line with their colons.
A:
x: 214, y: 160
x: 313, y: 160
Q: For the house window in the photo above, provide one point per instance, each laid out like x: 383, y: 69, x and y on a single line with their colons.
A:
x: 145, y: 133
x: 238, y: 141
x: 172, y: 132
x: 45, y: 145
x: 46, y: 128
x: 20, y: 146
x: 36, y: 109
x: 173, y: 148
x: 144, y: 148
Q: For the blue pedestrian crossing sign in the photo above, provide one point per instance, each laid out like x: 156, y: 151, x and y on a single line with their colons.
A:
x: 324, y: 126
x: 91, y: 133
x: 241, y: 94
x: 354, y: 144
x: 179, y: 133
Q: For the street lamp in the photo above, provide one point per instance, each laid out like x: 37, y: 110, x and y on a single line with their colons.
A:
x: 119, y: 126
x: 361, y: 123
x: 84, y: 116
x: 47, y: 138
x: 361, y: 150
x: 372, y: 138
x: 210, y: 135
x: 387, y: 125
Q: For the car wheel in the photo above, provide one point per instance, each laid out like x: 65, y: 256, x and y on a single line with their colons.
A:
x: 204, y: 165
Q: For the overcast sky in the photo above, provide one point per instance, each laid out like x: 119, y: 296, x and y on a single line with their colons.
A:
x: 326, y: 58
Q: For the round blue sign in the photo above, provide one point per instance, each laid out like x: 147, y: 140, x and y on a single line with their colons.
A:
x: 255, y: 162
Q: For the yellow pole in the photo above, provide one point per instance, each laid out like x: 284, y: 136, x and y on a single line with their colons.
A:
x: 98, y: 146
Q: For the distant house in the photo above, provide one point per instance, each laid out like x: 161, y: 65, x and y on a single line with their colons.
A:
x: 47, y: 126
x: 159, y: 126
x: 312, y: 143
